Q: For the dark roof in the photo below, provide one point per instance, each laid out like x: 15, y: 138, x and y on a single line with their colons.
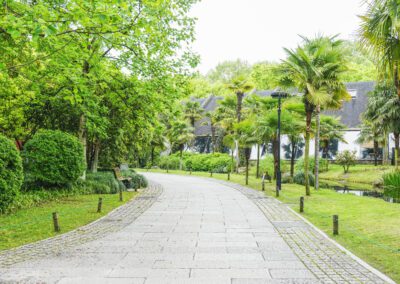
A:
x: 349, y: 113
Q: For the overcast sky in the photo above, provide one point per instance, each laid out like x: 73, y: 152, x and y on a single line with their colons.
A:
x: 256, y: 30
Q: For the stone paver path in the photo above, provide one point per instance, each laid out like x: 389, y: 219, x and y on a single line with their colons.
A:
x: 193, y: 230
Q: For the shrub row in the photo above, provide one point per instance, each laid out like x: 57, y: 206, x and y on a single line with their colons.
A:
x: 216, y: 163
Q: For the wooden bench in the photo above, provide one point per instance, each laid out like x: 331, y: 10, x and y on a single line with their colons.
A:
x: 125, y: 180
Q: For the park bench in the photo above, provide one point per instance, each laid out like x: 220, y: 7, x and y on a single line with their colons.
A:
x: 125, y: 180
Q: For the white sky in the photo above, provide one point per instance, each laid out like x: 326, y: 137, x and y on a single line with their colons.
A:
x: 257, y: 30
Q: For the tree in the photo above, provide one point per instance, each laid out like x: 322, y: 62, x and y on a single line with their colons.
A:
x: 331, y: 129
x: 380, y: 33
x: 371, y: 132
x: 314, y: 68
x: 245, y: 137
x: 225, y: 71
x: 192, y: 111
x: 264, y: 75
x: 346, y: 159
x: 180, y: 135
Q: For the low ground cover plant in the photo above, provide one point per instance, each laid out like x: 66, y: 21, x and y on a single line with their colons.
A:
x: 391, y: 186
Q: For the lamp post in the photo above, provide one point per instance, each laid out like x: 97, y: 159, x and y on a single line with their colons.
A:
x: 279, y: 94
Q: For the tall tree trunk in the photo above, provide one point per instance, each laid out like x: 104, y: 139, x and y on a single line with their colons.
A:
x: 83, y: 138
x: 237, y: 157
x: 396, y: 149
x: 396, y: 80
x: 152, y: 155
x: 239, y: 96
x: 213, y: 138
x: 180, y: 158
x: 309, y: 111
x: 247, y: 153
x: 258, y: 161
x: 385, y: 152
x: 275, y: 149
x: 96, y: 151
x: 233, y: 160
x: 292, y: 157
x: 376, y: 148
x: 317, y: 120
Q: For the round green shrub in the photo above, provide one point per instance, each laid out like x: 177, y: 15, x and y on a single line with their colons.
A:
x: 267, y: 165
x: 137, y: 180
x: 286, y: 178
x: 11, y: 174
x: 300, y: 178
x: 53, y: 158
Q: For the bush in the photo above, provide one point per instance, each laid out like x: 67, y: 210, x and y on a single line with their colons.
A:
x: 267, y: 165
x: 169, y: 162
x: 137, y: 180
x: 391, y: 183
x: 11, y: 174
x: 53, y: 158
x: 346, y: 159
x: 101, y: 183
x: 323, y: 164
x: 217, y: 163
x: 300, y: 178
x: 286, y: 178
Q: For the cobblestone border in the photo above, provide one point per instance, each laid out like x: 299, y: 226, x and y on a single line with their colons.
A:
x: 329, y: 261
x: 112, y: 222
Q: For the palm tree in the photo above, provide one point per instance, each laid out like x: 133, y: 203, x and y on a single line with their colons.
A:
x: 380, y: 34
x: 158, y: 140
x: 331, y: 129
x: 240, y: 85
x: 214, y: 119
x: 180, y: 135
x: 315, y: 68
x: 371, y: 132
x: 192, y: 111
x: 245, y: 136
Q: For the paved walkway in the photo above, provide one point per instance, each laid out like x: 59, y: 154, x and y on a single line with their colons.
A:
x: 192, y: 230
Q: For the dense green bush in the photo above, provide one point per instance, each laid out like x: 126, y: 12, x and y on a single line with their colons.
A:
x: 217, y: 163
x: 346, y: 159
x: 267, y: 165
x: 101, y: 183
x: 169, y: 162
x: 137, y: 180
x: 11, y: 175
x: 300, y: 178
x: 53, y: 158
x: 323, y: 164
x: 391, y: 183
x: 286, y: 178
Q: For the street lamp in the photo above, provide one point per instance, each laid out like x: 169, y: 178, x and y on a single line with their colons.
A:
x: 279, y: 94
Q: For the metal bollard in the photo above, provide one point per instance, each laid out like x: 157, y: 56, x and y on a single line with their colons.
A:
x: 55, y: 222
x: 99, y: 204
x: 335, y: 224
x: 301, y: 204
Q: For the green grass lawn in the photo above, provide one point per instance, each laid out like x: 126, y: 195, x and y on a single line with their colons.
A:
x: 369, y: 227
x: 33, y: 224
x: 359, y: 175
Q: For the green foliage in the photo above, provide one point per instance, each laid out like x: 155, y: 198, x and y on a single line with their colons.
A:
x: 346, y: 159
x: 53, y: 158
x: 391, y: 183
x: 101, y: 183
x: 217, y: 162
x: 11, y: 174
x: 299, y: 178
x: 286, y: 178
x: 137, y: 180
x: 323, y: 164
x: 169, y: 162
x: 267, y: 165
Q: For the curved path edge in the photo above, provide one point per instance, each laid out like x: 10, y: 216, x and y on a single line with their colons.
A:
x: 112, y: 222
x: 311, y: 244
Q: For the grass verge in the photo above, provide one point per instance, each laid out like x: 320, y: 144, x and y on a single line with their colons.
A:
x: 33, y: 224
x: 369, y: 227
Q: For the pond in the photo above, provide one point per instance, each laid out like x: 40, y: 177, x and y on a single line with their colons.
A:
x: 365, y: 193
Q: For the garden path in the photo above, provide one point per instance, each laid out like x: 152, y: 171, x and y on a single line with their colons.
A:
x: 192, y: 230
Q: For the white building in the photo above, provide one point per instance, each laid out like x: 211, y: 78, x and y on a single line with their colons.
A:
x: 349, y: 114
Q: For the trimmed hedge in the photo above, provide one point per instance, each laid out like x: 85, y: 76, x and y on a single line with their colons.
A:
x: 217, y: 163
x: 53, y: 159
x: 11, y: 174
